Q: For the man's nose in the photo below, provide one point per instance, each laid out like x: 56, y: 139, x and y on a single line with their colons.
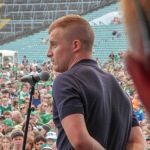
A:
x: 49, y: 53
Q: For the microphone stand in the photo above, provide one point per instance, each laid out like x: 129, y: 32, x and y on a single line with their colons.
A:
x: 32, y: 83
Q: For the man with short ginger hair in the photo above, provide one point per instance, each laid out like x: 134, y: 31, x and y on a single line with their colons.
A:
x: 90, y: 109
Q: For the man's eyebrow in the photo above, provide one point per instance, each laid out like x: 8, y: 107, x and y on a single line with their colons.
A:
x: 52, y: 41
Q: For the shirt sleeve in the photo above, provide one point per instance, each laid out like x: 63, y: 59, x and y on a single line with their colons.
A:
x: 67, y: 97
x: 134, y: 121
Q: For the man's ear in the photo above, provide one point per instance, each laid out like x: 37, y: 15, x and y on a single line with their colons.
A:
x: 76, y: 45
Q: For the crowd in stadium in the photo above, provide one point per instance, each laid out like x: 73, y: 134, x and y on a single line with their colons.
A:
x: 42, y: 134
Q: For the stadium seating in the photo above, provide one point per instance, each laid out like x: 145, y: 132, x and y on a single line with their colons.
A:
x: 34, y: 49
x: 29, y: 15
x: 97, y: 13
x: 2, y: 4
x: 3, y: 22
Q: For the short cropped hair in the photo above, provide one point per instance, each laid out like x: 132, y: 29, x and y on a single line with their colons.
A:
x: 16, y: 132
x: 75, y: 27
x: 7, y: 113
x: 3, y: 96
x: 5, y: 91
x: 39, y: 138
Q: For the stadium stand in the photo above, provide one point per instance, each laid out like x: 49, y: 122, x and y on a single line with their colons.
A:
x: 2, y: 4
x: 20, y: 11
x: 104, y: 41
x: 30, y: 15
x: 3, y: 22
x: 97, y: 13
x: 26, y: 32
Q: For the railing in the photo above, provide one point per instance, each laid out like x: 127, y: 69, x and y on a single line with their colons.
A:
x: 46, y: 15
x: 7, y: 35
x: 69, y: 6
x: 23, y: 24
x: 56, y: 6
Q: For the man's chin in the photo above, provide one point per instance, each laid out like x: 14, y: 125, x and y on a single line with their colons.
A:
x: 56, y: 69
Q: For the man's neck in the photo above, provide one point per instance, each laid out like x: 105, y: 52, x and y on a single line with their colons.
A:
x: 78, y: 58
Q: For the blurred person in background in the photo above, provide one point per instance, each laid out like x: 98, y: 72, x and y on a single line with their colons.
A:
x: 23, y: 110
x: 26, y: 102
x: 5, y: 106
x: 45, y: 128
x: 35, y: 119
x: 1, y: 137
x: 54, y: 146
x: 1, y: 127
x: 138, y: 112
x: 137, y: 21
x: 12, y: 91
x: 51, y: 137
x: 48, y: 99
x: 14, y: 104
x: 30, y: 127
x: 8, y: 123
x: 29, y: 143
x: 52, y: 125
x: 36, y: 100
x: 5, y: 92
x: 23, y: 93
x: 6, y: 143
x: 17, y: 139
x: 43, y: 91
x: 40, y: 86
x: 34, y: 63
x: 38, y: 141
x: 17, y: 118
x: 46, y: 146
x: 16, y: 86
x: 7, y: 114
x: 34, y: 70
x: 43, y: 112
x: 25, y: 71
x: 48, y: 87
x: 25, y: 61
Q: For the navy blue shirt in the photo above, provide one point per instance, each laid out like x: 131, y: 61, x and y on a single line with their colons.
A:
x: 86, y: 89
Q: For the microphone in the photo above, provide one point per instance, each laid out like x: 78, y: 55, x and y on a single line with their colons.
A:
x: 44, y: 76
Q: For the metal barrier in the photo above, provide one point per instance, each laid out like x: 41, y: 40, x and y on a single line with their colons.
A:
x: 43, y: 13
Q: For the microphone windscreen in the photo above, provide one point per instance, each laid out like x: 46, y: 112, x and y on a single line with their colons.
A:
x: 44, y: 76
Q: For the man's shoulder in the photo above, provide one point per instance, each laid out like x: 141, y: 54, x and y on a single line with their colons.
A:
x: 63, y: 78
x: 82, y: 71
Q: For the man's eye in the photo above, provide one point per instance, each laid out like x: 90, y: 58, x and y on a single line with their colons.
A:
x: 54, y: 45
